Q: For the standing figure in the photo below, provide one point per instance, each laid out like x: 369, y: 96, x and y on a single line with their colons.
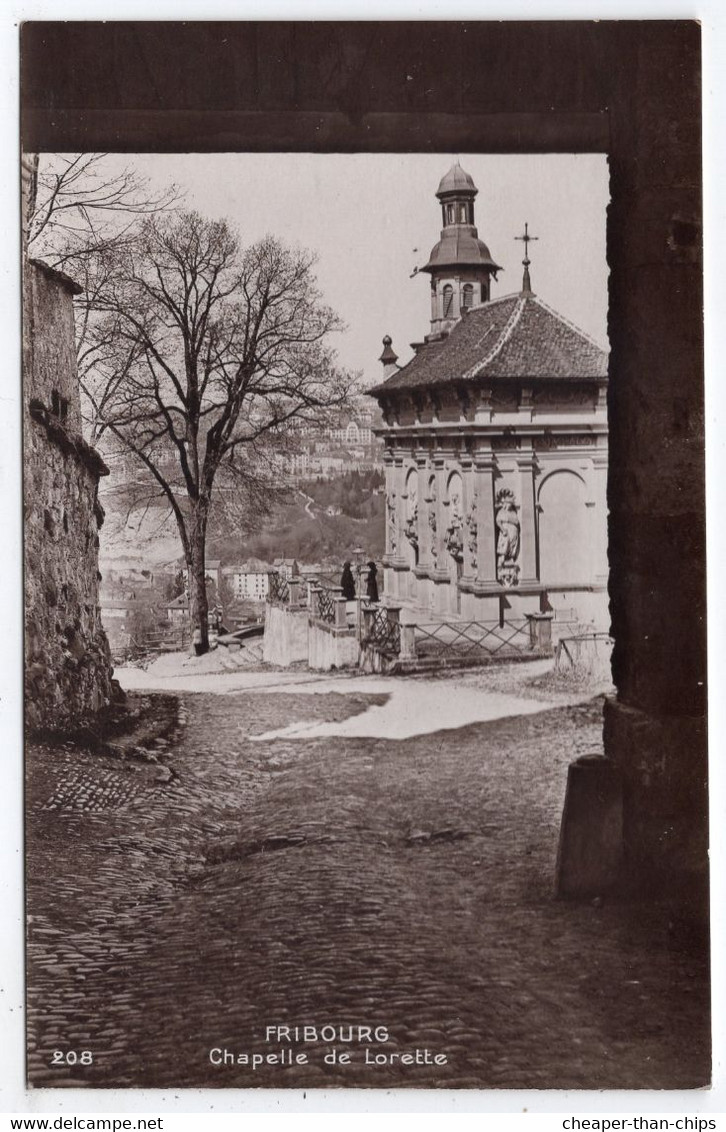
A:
x: 372, y: 583
x: 347, y: 582
x: 508, y: 529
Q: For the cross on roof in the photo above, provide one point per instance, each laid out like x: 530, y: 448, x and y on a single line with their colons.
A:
x: 526, y: 284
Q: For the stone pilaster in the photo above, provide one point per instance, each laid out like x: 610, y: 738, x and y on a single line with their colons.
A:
x: 527, y: 465
x: 600, y: 542
x: 437, y: 538
x: 468, y: 508
x: 397, y: 557
x: 389, y: 472
x: 484, y: 468
x: 424, y: 534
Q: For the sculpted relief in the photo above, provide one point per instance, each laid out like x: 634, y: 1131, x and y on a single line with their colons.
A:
x: 432, y: 521
x: 454, y: 535
x: 472, y: 532
x: 410, y: 529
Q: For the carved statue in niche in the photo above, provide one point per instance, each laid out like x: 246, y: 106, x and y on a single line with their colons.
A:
x: 411, y: 526
x: 391, y: 512
x: 508, y: 535
x: 472, y: 528
x: 454, y: 536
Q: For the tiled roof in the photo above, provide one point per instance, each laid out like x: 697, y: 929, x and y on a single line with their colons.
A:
x: 517, y: 336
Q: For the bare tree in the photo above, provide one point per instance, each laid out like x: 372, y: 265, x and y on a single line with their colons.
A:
x: 82, y: 208
x: 200, y: 353
x: 80, y: 205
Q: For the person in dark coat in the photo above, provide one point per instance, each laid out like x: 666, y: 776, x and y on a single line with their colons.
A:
x: 347, y: 582
x: 372, y: 583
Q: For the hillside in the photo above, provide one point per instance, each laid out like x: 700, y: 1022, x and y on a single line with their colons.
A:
x: 324, y: 519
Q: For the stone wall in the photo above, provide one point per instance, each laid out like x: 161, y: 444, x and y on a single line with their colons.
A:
x: 67, y: 661
x: 330, y: 647
x: 286, y: 635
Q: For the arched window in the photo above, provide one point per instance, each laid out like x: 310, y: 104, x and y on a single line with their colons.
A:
x: 467, y: 299
x: 450, y: 214
x: 448, y: 300
x: 462, y: 214
x: 484, y: 292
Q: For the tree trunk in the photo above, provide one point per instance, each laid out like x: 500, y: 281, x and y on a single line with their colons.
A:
x: 198, y: 608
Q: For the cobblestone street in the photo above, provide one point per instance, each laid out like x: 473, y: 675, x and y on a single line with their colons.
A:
x: 185, y: 906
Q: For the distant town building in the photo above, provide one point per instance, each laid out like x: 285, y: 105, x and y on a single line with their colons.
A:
x: 287, y: 567
x: 249, y: 581
x: 178, y: 608
x: 354, y: 430
x: 344, y: 442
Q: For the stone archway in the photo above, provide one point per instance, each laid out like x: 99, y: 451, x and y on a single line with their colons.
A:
x: 609, y: 88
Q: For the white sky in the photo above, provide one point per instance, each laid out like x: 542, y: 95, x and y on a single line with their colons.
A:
x: 364, y: 214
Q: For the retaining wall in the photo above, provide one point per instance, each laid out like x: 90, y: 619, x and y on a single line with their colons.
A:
x: 285, y: 640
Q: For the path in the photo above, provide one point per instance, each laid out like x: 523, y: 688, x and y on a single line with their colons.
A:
x: 404, y: 884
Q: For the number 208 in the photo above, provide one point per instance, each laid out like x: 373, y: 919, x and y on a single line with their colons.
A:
x: 70, y: 1057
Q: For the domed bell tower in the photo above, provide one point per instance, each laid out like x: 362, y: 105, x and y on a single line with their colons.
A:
x: 460, y: 264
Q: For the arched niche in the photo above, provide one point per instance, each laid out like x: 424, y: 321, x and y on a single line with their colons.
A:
x: 410, y: 522
x: 564, y: 522
x: 454, y: 536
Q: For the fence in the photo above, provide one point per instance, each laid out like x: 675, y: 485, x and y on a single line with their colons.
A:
x: 326, y: 600
x: 174, y: 639
x: 455, y: 640
x: 279, y: 588
x: 586, y: 656
x: 381, y: 629
x: 328, y: 581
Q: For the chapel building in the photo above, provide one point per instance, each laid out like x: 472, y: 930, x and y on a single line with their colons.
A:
x: 495, y: 445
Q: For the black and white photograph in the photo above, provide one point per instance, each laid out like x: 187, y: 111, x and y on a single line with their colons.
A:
x: 364, y: 568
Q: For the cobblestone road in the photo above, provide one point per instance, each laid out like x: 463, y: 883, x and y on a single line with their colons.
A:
x: 359, y: 881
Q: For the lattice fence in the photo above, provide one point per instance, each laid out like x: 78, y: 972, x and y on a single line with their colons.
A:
x: 326, y: 605
x: 446, y: 640
x: 381, y: 632
x: 279, y: 589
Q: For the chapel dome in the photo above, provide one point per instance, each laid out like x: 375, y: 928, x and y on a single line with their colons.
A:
x: 457, y: 180
x: 460, y: 247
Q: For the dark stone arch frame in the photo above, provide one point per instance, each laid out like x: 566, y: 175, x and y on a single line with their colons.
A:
x: 630, y: 89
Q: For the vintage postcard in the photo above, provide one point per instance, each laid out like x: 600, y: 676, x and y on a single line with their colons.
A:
x: 364, y: 557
